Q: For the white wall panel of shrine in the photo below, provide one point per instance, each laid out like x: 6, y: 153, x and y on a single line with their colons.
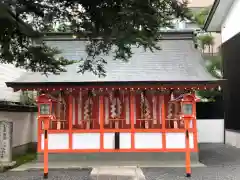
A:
x: 86, y: 141
x: 177, y: 140
x: 56, y: 141
x: 125, y: 140
x: 148, y: 140
x: 108, y: 141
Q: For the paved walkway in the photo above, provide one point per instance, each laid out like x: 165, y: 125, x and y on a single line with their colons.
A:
x: 223, y: 163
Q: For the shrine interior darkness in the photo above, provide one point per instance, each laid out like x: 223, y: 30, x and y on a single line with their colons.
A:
x: 231, y: 63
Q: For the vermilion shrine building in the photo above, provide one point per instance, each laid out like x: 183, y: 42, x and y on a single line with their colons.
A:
x: 135, y: 108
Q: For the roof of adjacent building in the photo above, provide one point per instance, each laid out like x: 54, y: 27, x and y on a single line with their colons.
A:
x: 217, y: 15
x: 178, y: 61
x: 9, y: 72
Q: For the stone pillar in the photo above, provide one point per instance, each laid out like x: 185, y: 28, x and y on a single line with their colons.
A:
x: 6, y: 131
x: 6, y: 128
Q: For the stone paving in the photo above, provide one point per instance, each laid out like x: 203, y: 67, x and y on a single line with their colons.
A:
x: 223, y: 163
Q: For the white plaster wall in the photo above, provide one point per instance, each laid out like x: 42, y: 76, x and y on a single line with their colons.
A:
x: 24, y: 126
x: 231, y: 25
x: 233, y: 138
x: 34, y: 127
x: 210, y: 130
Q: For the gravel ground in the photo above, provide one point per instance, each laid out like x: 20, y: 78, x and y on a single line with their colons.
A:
x: 223, y: 163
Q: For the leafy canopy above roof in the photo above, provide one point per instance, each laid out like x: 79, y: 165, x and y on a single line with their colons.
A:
x: 119, y: 22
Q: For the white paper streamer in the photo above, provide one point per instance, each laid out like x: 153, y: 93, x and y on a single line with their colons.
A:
x: 73, y: 110
x: 80, y: 107
x: 106, y: 110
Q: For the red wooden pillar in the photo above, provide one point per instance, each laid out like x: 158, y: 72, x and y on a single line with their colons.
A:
x: 76, y: 109
x: 45, y: 155
x: 132, y: 120
x: 70, y: 117
x: 101, y: 117
x: 194, y: 127
x: 188, y: 152
x: 163, y: 117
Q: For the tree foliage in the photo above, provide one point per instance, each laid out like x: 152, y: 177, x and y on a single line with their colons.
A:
x: 214, y: 66
x: 201, y: 16
x: 214, y: 63
x: 206, y: 40
x: 119, y: 23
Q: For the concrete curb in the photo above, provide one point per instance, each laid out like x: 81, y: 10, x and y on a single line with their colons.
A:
x: 80, y: 165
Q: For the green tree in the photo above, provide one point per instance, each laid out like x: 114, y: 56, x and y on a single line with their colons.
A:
x: 213, y: 63
x: 206, y: 40
x: 200, y: 17
x: 214, y: 66
x: 119, y: 23
x: 63, y: 28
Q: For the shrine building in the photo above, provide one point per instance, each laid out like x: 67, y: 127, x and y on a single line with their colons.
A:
x: 136, y: 107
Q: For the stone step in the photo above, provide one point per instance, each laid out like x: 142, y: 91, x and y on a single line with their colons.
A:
x: 117, y: 173
x: 89, y: 165
x: 120, y: 157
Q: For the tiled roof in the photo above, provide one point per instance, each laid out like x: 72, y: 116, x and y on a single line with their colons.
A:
x: 177, y: 61
x: 9, y: 72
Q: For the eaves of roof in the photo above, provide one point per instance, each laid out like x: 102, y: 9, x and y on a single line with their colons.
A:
x: 120, y: 84
x: 217, y: 15
x: 210, y: 14
x: 69, y: 36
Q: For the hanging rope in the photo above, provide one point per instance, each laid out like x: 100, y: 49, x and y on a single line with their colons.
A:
x: 116, y: 107
x: 64, y: 105
x: 118, y: 103
x: 145, y: 109
x: 170, y: 109
x: 88, y: 106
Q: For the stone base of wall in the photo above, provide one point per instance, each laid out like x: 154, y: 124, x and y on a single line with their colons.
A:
x: 232, y: 138
x: 119, y: 157
x: 23, y: 149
